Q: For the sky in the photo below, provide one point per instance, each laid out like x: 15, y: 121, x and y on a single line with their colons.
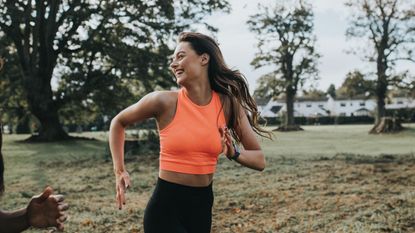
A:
x: 238, y: 44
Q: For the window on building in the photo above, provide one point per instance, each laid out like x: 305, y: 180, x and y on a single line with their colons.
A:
x: 342, y: 104
x: 342, y: 114
x: 351, y: 104
x: 362, y: 104
x: 308, y: 105
x: 400, y: 102
x: 320, y: 106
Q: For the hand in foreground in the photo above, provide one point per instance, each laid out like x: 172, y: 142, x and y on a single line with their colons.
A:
x: 47, y: 210
x: 122, y: 182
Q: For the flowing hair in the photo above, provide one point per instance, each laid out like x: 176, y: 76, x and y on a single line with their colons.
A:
x: 230, y: 83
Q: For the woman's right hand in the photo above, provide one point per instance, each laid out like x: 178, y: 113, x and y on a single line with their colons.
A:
x: 122, y: 182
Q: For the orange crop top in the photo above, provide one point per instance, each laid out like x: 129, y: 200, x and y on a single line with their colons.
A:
x: 191, y: 142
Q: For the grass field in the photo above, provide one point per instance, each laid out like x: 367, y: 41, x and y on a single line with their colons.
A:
x: 324, y: 179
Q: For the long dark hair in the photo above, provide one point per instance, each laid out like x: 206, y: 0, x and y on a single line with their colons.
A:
x: 230, y: 83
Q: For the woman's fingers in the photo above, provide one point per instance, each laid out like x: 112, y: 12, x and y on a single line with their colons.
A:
x: 127, y: 181
x: 120, y: 198
x: 119, y: 205
x: 229, y: 142
x: 122, y: 183
x: 122, y: 193
x: 226, y: 140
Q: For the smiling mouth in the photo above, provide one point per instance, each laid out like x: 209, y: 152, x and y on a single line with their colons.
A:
x: 179, y: 72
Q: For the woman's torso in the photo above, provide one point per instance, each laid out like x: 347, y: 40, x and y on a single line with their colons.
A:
x: 164, y: 119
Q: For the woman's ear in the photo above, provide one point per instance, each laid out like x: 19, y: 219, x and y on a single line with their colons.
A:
x: 205, y: 59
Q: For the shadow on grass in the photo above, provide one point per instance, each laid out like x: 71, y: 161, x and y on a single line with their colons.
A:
x: 36, y: 139
x: 367, y: 159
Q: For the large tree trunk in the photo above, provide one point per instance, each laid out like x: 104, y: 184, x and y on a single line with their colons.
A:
x: 381, y: 90
x: 45, y: 109
x: 382, y: 124
x: 1, y: 145
x: 1, y: 158
x: 289, y: 121
x: 387, y: 125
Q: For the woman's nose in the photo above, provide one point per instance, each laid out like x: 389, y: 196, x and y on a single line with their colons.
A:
x: 173, y: 65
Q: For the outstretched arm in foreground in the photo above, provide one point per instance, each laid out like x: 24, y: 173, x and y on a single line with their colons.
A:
x: 44, y: 210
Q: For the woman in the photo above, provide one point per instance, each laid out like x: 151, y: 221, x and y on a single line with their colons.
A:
x: 195, y: 125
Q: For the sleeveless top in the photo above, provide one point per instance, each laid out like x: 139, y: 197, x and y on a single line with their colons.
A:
x: 191, y: 142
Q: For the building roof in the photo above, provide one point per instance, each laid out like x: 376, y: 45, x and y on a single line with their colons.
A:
x: 261, y: 101
x: 358, y: 97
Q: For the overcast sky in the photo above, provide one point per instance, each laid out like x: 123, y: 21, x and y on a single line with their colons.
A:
x: 238, y: 44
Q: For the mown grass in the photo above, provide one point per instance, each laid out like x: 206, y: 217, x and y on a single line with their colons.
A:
x: 324, y: 179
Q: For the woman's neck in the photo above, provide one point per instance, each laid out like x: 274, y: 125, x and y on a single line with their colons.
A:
x: 199, y: 94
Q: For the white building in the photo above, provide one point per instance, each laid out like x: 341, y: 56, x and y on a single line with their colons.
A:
x: 306, y: 107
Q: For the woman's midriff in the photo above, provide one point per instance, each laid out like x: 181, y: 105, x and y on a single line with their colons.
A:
x: 192, y: 180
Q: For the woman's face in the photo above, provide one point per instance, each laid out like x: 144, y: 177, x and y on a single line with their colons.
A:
x: 187, y: 65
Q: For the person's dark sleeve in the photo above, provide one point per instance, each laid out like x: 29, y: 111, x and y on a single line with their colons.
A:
x: 14, y: 221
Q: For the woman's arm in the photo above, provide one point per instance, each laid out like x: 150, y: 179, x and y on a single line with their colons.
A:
x: 151, y: 105
x: 251, y: 155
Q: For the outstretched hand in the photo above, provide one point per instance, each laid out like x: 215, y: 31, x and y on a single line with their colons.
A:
x: 47, y: 210
x: 122, y: 182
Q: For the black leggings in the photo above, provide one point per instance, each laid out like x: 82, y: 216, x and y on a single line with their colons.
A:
x: 176, y: 208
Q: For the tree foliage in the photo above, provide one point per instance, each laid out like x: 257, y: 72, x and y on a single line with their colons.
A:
x: 355, y: 85
x: 331, y: 90
x: 285, y: 42
x: 13, y: 106
x: 314, y: 93
x: 93, y: 54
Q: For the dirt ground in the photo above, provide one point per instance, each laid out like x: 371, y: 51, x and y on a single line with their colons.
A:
x: 369, y: 189
x: 346, y: 193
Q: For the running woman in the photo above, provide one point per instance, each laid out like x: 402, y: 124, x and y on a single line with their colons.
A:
x: 196, y: 124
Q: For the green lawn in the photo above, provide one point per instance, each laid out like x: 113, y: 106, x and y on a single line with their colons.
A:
x: 323, y: 179
x: 328, y: 141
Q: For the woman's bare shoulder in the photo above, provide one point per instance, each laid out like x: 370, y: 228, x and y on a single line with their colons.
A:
x: 165, y: 98
x: 162, y: 101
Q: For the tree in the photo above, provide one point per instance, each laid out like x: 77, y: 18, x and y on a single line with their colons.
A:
x: 286, y: 42
x: 1, y: 143
x: 81, y: 52
x: 331, y: 91
x: 355, y: 84
x: 13, y: 106
x: 389, y: 29
x: 314, y: 93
